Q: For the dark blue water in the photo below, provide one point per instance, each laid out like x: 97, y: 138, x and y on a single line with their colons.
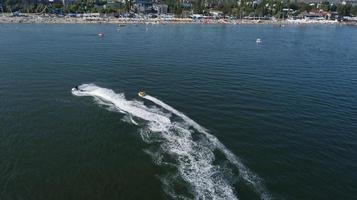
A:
x: 287, y: 108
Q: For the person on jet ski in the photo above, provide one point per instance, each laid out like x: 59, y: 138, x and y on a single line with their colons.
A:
x: 76, y: 88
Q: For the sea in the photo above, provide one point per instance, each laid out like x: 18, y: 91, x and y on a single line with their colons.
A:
x: 223, y: 117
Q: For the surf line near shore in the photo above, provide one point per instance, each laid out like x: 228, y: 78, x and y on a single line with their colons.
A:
x: 193, y: 158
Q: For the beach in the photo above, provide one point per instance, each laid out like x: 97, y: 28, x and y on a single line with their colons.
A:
x: 47, y: 19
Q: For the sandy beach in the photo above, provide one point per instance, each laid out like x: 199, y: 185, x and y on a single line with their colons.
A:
x: 35, y: 18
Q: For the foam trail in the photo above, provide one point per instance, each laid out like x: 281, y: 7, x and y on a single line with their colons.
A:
x: 176, y: 112
x: 192, y: 159
x: 245, y: 173
x: 118, y: 100
x: 129, y: 119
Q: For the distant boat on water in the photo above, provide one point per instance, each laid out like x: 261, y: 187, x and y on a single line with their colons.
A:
x: 258, y: 41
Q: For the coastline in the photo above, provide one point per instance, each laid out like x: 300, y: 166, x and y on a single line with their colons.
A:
x: 36, y: 19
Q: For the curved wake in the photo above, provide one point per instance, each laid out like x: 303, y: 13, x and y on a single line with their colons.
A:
x: 246, y: 174
x: 192, y: 158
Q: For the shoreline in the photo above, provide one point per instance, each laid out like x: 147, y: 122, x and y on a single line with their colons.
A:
x: 35, y: 19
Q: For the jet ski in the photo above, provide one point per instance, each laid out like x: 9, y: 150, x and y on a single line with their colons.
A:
x: 141, y: 94
x: 77, y: 89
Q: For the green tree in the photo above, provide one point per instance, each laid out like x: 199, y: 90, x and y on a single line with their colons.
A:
x: 128, y: 5
x: 227, y: 7
x: 325, y: 6
x: 198, y: 6
x: 354, y: 11
x: 344, y: 10
x: 304, y: 7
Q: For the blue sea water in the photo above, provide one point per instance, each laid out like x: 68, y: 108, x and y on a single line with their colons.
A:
x: 278, y: 119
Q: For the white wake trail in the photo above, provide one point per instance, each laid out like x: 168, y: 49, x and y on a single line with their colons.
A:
x: 245, y: 173
x: 119, y: 101
x: 188, y: 120
x: 193, y: 160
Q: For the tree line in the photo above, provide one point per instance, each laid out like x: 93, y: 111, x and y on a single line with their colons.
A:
x: 276, y: 8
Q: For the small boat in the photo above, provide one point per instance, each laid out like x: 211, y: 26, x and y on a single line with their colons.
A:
x: 101, y: 34
x: 141, y: 94
x: 258, y: 40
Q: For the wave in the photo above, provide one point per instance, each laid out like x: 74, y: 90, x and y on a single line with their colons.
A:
x: 248, y: 176
x: 177, y: 147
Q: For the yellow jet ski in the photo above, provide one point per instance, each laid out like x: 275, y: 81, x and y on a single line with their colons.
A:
x: 141, y: 94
